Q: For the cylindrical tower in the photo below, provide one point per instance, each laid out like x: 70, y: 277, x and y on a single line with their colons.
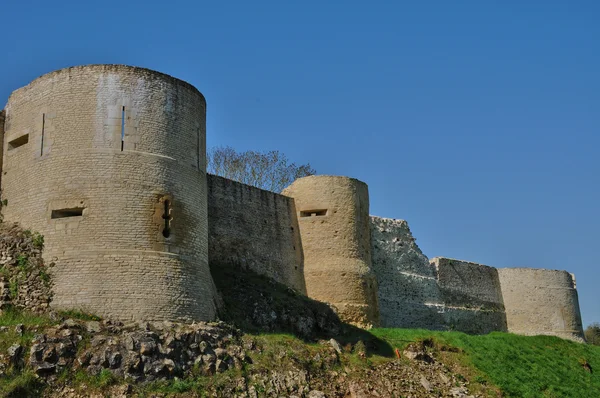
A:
x: 333, y: 215
x: 108, y: 163
x: 541, y: 301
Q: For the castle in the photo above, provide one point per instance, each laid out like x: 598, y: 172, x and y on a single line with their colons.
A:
x: 108, y: 162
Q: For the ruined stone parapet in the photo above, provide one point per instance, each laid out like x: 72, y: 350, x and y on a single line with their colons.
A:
x: 471, y: 295
x: 541, y: 301
x: 409, y: 296
x: 444, y: 294
x: 333, y: 216
x: 108, y: 163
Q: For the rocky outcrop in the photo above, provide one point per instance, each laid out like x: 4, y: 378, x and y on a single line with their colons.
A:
x: 137, y: 352
x: 147, y: 352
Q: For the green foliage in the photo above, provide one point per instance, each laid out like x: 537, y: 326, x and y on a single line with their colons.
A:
x: 522, y: 366
x: 12, y: 316
x: 269, y: 170
x: 38, y: 240
x: 44, y: 277
x: 100, y: 381
x: 36, y: 237
x: 76, y: 314
x: 592, y: 333
x: 22, y: 262
x: 13, y: 288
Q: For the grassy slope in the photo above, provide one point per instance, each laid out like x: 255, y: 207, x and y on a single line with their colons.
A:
x: 539, y: 366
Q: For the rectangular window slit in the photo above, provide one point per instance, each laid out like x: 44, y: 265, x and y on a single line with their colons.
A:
x: 64, y: 213
x: 313, y: 213
x: 17, y: 142
x: 43, y: 128
x: 123, y: 128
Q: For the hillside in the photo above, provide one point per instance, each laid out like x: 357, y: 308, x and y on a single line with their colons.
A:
x: 271, y: 342
x: 444, y: 364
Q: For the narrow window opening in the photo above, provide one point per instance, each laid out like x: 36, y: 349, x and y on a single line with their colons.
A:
x: 43, y: 128
x: 313, y: 213
x: 17, y: 142
x: 64, y: 213
x: 167, y: 217
x: 123, y: 128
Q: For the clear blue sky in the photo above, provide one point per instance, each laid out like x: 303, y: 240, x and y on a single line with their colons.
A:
x: 476, y: 121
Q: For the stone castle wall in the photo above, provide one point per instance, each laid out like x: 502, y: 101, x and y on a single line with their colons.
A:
x: 541, y: 301
x: 471, y: 295
x: 443, y: 294
x: 409, y: 296
x: 108, y: 163
x: 256, y: 229
x: 333, y: 215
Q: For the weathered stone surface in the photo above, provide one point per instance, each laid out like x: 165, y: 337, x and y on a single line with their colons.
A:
x: 333, y: 216
x: 471, y: 295
x: 540, y: 301
x: 255, y: 229
x: 409, y: 295
x: 444, y: 294
x: 336, y: 346
x: 164, y: 351
x: 108, y: 148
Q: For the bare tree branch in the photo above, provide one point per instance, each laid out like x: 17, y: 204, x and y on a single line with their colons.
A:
x: 270, y: 170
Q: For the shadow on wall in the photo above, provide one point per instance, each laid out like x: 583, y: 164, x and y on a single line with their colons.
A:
x: 471, y: 295
x: 258, y: 304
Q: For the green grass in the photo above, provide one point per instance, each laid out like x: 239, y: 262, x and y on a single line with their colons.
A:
x: 12, y: 317
x: 20, y: 384
x: 522, y: 366
x: 82, y: 316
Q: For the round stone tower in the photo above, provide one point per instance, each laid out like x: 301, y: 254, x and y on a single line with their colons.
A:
x: 108, y: 163
x: 333, y: 218
x: 541, y: 301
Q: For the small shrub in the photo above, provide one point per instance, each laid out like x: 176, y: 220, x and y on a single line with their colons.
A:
x: 44, y: 277
x: 22, y: 262
x: 38, y: 240
x: 13, y: 288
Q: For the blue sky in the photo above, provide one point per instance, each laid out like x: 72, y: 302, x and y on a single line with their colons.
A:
x: 476, y: 121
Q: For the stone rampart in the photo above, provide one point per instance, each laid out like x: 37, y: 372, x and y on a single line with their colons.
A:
x: 471, y: 295
x: 256, y: 229
x: 108, y: 163
x: 541, y: 301
x: 333, y: 216
x: 443, y: 294
x: 409, y: 296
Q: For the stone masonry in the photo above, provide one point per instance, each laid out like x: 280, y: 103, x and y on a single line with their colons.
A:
x: 333, y: 214
x: 108, y: 163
